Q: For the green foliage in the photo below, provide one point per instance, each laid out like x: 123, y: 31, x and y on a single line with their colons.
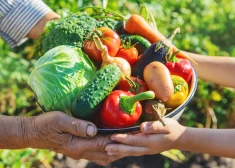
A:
x: 207, y: 27
x: 15, y: 95
x: 24, y: 158
x: 175, y: 155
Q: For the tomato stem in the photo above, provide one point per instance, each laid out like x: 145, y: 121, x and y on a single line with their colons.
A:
x: 126, y: 43
x: 128, y: 103
x: 134, y: 85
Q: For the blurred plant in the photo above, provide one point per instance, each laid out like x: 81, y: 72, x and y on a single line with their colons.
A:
x: 207, y: 27
x: 25, y: 158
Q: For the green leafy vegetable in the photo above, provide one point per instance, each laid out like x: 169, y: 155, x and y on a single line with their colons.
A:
x: 59, y: 75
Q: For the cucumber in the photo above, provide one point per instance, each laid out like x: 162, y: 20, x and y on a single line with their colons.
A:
x: 89, y: 100
x: 141, y: 43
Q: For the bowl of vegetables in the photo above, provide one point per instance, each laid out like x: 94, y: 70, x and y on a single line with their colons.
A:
x: 175, y: 113
x: 115, y: 76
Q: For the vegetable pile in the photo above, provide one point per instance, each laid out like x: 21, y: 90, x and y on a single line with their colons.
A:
x: 99, y: 66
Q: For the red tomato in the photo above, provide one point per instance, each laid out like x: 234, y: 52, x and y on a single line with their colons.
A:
x: 139, y: 87
x: 130, y: 54
x: 109, y: 38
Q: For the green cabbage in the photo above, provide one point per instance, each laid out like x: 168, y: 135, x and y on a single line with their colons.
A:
x: 59, y: 75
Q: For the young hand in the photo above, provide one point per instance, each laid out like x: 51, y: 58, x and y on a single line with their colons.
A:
x: 153, y: 138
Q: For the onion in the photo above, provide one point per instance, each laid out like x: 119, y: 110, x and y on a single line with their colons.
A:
x: 107, y: 59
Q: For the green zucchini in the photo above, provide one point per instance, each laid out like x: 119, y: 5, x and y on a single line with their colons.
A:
x: 140, y: 42
x: 89, y: 100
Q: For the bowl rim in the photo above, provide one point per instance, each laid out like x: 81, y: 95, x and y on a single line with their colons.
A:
x: 171, y: 114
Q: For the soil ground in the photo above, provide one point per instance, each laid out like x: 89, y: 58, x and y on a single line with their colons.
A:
x: 150, y: 161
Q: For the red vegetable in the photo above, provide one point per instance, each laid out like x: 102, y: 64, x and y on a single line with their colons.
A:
x: 108, y: 38
x: 180, y: 67
x: 133, y: 84
x: 122, y: 109
x: 128, y: 52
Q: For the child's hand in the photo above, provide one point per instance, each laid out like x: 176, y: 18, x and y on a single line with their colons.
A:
x: 154, y: 138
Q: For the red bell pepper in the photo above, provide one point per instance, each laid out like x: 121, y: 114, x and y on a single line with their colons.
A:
x: 180, y: 67
x: 123, y: 109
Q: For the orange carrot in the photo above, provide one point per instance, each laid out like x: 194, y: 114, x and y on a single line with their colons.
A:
x: 136, y: 24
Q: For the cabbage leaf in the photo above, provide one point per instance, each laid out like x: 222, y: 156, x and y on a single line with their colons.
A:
x: 59, y: 75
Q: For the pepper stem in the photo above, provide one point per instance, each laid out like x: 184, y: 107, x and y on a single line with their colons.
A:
x: 173, y: 58
x: 128, y: 103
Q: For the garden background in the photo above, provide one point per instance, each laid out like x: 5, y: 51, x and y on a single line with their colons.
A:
x: 207, y: 27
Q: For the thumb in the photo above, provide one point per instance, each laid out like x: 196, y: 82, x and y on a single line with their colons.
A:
x: 154, y: 127
x: 77, y: 127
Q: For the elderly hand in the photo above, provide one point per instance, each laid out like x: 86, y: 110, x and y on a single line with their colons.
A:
x: 67, y: 135
x: 58, y: 132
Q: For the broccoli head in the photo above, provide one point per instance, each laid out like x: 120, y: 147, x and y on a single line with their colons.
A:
x: 71, y: 30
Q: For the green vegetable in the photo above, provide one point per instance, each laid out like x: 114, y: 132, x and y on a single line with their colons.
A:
x: 89, y: 100
x: 141, y: 44
x: 59, y: 76
x: 72, y: 30
x: 110, y: 23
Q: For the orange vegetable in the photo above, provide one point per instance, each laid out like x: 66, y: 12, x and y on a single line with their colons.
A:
x: 136, y: 24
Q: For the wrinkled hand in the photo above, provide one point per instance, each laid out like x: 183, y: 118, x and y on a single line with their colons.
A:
x: 64, y: 134
x: 154, y: 138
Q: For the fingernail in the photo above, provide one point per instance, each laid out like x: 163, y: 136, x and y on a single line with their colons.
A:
x: 145, y: 127
x: 108, y: 149
x: 110, y: 153
x: 112, y: 138
x: 90, y: 130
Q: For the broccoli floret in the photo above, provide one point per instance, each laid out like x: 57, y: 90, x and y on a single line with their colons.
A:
x: 71, y: 30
